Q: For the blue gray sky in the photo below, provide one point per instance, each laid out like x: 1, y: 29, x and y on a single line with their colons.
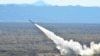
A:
x: 67, y: 11
x: 55, y: 2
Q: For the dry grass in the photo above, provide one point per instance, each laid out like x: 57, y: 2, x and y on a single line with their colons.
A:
x: 23, y: 39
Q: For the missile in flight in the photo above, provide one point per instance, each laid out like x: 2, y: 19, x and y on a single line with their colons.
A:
x: 66, y: 47
x: 71, y: 47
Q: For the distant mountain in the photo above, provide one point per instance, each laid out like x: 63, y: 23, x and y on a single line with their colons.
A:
x: 40, y: 3
x: 65, y: 14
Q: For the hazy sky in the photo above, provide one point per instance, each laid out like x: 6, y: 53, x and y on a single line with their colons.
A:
x: 17, y: 1
x: 55, y: 2
x: 86, y: 14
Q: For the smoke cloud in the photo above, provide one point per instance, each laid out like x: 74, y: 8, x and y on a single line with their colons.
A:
x: 71, y: 47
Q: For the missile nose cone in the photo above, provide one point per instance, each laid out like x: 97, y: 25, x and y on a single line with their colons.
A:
x: 31, y: 21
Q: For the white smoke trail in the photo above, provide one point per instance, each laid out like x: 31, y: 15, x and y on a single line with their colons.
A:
x: 71, y: 47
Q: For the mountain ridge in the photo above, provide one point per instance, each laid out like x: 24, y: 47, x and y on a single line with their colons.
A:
x: 13, y: 12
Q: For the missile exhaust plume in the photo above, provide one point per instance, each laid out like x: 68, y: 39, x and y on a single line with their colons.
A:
x: 70, y: 47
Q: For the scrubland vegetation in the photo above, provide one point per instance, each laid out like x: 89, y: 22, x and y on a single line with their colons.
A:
x: 24, y: 39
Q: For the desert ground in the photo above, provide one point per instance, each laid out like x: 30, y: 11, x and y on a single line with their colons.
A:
x: 24, y: 39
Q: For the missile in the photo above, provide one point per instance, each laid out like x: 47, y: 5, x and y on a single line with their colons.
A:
x: 31, y: 21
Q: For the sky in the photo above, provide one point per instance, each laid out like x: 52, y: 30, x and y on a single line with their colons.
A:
x: 93, y: 13
x: 55, y: 2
